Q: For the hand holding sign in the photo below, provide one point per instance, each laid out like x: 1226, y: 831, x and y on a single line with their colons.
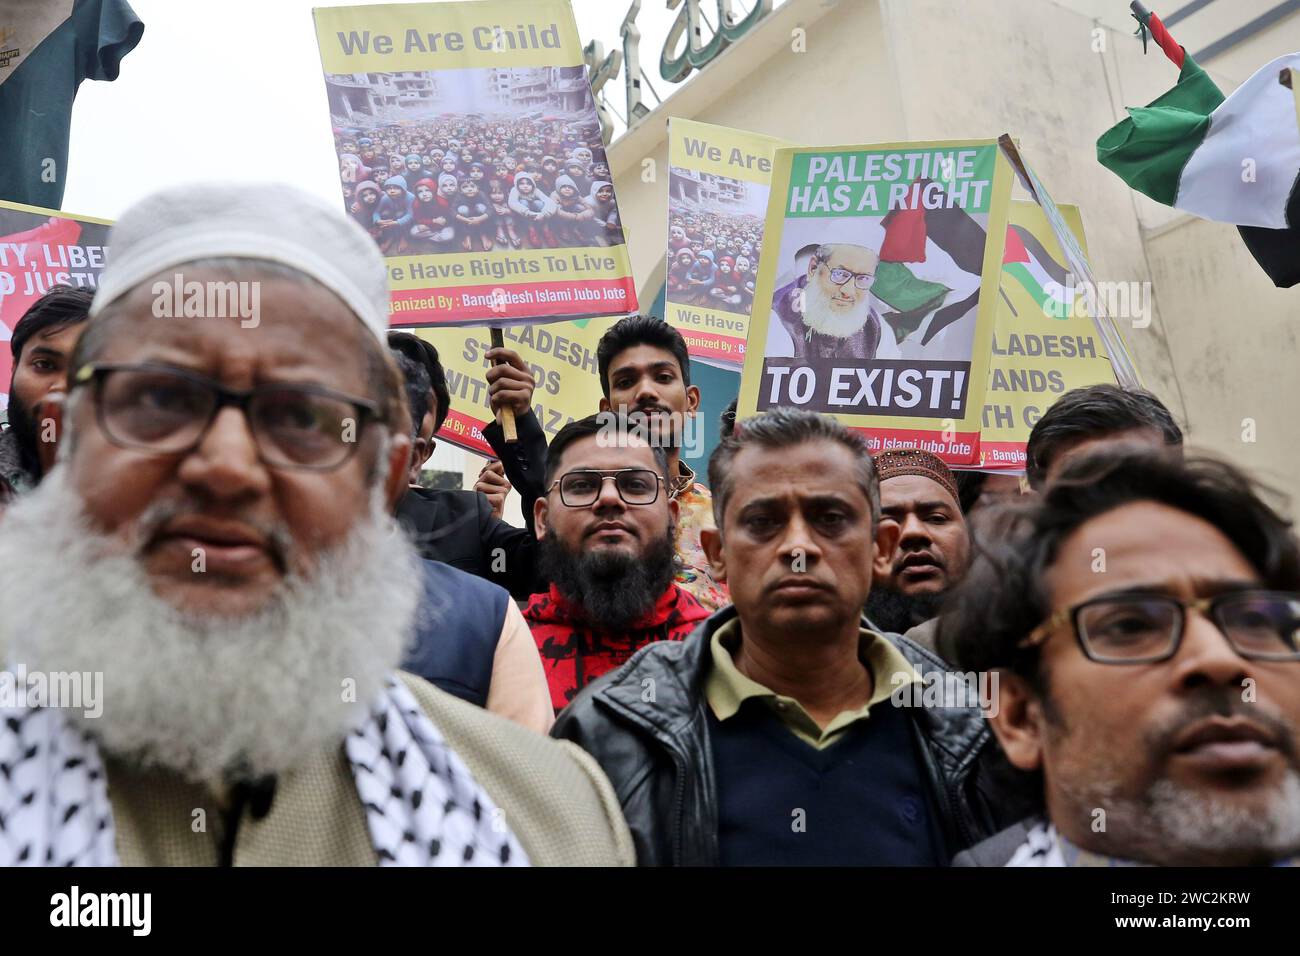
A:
x: 510, y: 383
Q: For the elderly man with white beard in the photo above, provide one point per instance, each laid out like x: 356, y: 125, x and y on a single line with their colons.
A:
x: 216, y: 540
x: 829, y: 312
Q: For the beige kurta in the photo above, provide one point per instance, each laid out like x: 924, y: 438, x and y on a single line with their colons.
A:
x: 553, y: 795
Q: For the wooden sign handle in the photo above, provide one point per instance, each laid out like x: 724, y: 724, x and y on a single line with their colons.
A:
x: 506, y: 416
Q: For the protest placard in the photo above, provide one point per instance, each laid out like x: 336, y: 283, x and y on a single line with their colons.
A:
x: 470, y: 149
x: 1093, y: 300
x: 560, y: 355
x: 40, y: 248
x: 1044, y: 341
x: 717, y: 199
x: 875, y: 299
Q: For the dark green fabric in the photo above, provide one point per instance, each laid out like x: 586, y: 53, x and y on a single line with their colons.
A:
x: 1150, y: 149
x: 36, y: 100
x: 913, y: 298
x: 898, y: 288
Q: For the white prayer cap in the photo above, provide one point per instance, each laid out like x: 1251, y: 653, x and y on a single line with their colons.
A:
x: 272, y: 222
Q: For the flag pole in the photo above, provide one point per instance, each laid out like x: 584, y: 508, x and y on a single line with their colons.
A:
x: 1003, y: 293
x: 1148, y: 21
x: 505, y: 414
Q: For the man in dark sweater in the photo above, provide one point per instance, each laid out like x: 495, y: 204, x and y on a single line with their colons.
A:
x: 783, y: 732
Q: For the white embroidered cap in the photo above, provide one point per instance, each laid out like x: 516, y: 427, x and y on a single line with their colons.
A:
x: 272, y: 222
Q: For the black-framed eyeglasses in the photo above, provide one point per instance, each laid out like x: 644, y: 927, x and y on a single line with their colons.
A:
x: 636, y: 486
x: 166, y: 410
x: 1148, y: 628
x: 861, y: 280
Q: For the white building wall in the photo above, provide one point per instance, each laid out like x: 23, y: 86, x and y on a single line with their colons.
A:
x: 1221, y: 348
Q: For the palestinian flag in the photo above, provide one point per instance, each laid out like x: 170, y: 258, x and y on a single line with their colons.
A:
x: 1030, y: 264
x: 908, y: 233
x: 1233, y: 159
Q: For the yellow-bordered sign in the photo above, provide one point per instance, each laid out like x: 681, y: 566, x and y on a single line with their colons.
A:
x: 717, y: 200
x: 877, y: 290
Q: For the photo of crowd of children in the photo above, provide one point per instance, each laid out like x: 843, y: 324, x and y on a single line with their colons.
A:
x: 474, y: 160
x: 715, y: 235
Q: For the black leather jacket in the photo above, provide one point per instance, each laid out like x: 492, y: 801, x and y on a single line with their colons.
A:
x: 645, y: 723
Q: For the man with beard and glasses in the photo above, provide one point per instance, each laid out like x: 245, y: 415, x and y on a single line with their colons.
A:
x: 41, y: 344
x: 606, y: 529
x: 1142, y: 617
x: 216, y: 542
x: 645, y: 373
x: 919, y: 495
x: 829, y: 311
x: 784, y: 731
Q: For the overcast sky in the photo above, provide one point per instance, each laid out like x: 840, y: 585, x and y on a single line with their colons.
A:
x: 233, y: 89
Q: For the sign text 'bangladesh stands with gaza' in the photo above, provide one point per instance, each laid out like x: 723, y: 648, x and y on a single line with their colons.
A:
x: 561, y: 357
x: 1044, y: 340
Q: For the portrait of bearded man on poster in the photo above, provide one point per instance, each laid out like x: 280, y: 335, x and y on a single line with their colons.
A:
x: 829, y: 310
x: 844, y: 299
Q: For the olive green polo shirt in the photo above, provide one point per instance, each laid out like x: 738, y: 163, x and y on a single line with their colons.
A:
x: 726, y: 688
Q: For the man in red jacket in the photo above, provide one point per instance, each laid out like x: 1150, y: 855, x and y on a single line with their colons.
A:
x: 607, y: 533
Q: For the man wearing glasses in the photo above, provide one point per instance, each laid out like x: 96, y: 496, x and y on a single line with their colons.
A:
x: 607, y: 531
x: 1143, y: 619
x: 217, y: 542
x: 829, y: 312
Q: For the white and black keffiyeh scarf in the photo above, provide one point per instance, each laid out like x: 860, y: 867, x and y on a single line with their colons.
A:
x: 1045, y: 846
x: 423, y: 808
x: 1039, y: 849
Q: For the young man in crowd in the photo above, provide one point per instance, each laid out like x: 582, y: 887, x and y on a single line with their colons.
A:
x: 217, y: 541
x: 428, y: 398
x: 607, y: 530
x: 919, y: 495
x: 780, y: 732
x: 645, y: 373
x: 1097, y: 414
x: 41, y: 344
x: 1142, y: 618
